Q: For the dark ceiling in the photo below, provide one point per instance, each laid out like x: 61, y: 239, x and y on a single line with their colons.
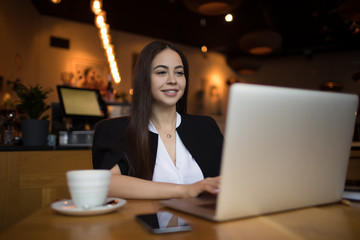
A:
x: 306, y: 26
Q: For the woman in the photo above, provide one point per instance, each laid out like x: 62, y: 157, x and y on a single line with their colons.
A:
x: 159, y: 151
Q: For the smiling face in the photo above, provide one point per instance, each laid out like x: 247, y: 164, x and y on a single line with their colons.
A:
x: 167, y: 78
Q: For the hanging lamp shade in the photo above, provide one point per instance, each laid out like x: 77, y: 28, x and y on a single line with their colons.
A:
x: 260, y: 42
x: 349, y: 10
x: 331, y: 86
x: 244, y: 65
x: 212, y: 7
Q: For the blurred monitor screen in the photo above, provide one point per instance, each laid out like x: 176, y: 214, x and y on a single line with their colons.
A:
x: 81, y: 102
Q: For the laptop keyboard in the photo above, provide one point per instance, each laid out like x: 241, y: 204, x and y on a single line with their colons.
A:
x: 211, y: 206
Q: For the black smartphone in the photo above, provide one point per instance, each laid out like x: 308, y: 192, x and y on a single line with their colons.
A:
x: 163, y: 222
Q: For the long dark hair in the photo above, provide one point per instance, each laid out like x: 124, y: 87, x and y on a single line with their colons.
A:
x: 139, y: 144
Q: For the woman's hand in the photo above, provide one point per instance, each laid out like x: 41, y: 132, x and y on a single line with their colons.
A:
x: 210, y: 185
x: 135, y: 188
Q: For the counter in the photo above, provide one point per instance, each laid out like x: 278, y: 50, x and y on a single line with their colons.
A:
x: 40, y: 148
x: 33, y: 177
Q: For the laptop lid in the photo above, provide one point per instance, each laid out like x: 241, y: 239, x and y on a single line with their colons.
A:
x: 284, y: 149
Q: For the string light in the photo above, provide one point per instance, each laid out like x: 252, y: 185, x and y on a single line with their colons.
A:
x: 96, y: 6
x: 100, y: 19
x: 100, y: 23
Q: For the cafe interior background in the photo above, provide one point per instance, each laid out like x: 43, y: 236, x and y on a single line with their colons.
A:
x: 316, y: 45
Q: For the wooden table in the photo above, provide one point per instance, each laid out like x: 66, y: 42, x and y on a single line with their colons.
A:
x: 335, y: 221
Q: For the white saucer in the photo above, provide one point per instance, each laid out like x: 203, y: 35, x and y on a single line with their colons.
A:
x: 67, y: 207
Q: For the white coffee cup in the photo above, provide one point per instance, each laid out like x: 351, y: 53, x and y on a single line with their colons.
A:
x: 88, y: 188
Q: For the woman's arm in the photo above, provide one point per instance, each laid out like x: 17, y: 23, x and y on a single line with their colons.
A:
x: 135, y: 188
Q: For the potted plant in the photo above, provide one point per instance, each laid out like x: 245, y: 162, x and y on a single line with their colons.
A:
x: 31, y: 106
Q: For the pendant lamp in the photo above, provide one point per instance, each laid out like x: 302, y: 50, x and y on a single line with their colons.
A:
x: 212, y: 7
x: 260, y: 42
x: 244, y: 65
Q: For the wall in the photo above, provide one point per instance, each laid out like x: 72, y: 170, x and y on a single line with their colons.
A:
x: 26, y: 33
x: 309, y: 73
x: 18, y: 28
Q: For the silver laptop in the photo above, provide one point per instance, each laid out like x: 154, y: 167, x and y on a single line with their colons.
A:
x: 283, y: 149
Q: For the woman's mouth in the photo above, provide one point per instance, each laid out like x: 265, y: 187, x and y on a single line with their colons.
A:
x: 170, y: 92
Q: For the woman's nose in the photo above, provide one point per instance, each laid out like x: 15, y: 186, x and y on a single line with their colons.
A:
x: 171, y: 79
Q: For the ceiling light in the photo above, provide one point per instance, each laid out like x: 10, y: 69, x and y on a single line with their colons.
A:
x: 109, y: 49
x: 331, y: 86
x: 228, y: 17
x: 260, y: 42
x: 204, y: 49
x: 212, y: 7
x: 244, y: 65
x: 260, y: 50
x: 96, y: 6
x: 55, y: 1
x: 100, y: 22
x: 111, y: 57
x: 100, y: 19
x: 104, y: 30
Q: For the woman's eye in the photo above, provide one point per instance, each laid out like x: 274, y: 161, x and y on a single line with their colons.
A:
x: 180, y: 73
x: 161, y: 72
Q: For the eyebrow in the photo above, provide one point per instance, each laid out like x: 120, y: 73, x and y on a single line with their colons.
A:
x: 164, y: 66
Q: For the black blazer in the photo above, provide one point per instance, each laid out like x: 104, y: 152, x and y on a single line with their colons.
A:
x: 200, y: 135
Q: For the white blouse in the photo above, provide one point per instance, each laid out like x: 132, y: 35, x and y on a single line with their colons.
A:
x: 186, y: 171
